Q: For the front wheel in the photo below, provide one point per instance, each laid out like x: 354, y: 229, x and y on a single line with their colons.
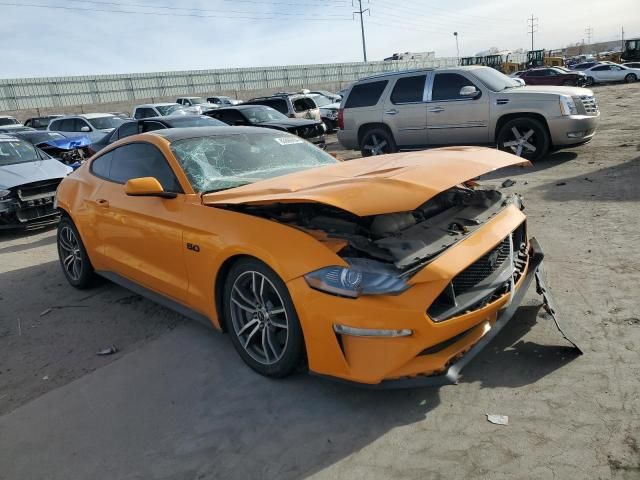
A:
x: 377, y: 141
x: 569, y: 83
x: 630, y: 78
x: 262, y: 320
x: 590, y: 82
x: 524, y: 137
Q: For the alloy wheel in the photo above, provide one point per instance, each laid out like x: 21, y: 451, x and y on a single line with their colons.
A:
x: 376, y: 145
x: 71, y: 253
x: 522, y: 142
x: 259, y: 317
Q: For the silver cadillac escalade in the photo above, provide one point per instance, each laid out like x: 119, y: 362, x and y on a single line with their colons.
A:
x: 463, y: 106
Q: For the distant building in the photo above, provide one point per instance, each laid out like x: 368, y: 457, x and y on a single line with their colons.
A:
x: 412, y: 56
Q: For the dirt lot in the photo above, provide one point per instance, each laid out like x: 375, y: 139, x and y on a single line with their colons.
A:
x: 570, y: 417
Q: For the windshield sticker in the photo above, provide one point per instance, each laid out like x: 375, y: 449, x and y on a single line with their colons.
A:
x: 288, y: 140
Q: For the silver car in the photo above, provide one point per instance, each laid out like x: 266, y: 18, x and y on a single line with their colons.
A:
x: 463, y: 106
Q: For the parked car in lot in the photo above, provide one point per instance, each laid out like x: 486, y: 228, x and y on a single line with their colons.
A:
x: 150, y: 110
x: 40, y: 123
x: 610, y: 72
x: 70, y: 151
x: 134, y: 127
x: 583, y: 66
x: 93, y: 125
x: 122, y: 115
x: 335, y: 97
x: 463, y: 106
x: 15, y: 128
x: 360, y: 269
x: 8, y: 120
x: 631, y: 64
x: 292, y: 105
x: 223, y: 101
x: 262, y: 116
x: 28, y: 182
x: 328, y: 110
x: 553, y: 76
x: 198, y: 104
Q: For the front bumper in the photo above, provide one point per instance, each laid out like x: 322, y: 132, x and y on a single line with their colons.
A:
x: 433, y: 354
x: 573, y: 130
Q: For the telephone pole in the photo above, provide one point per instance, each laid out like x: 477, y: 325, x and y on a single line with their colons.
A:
x: 622, y: 49
x: 361, y: 12
x: 533, y: 27
x: 588, y: 31
x: 455, y: 34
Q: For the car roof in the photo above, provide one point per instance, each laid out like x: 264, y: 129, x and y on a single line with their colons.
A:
x: 175, y: 134
x: 242, y: 106
x: 89, y: 116
x: 164, y: 104
x: 9, y: 136
x: 422, y: 70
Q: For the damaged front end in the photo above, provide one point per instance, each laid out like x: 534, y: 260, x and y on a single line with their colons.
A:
x: 70, y: 151
x: 386, y: 254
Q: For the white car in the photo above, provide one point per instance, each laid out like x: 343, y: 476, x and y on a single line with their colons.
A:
x: 609, y: 72
x: 150, y: 110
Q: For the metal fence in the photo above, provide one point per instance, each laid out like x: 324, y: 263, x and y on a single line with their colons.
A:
x: 52, y: 92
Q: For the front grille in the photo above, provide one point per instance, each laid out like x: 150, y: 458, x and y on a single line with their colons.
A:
x: 485, y: 280
x: 587, y: 105
x: 38, y: 190
x: 482, y: 268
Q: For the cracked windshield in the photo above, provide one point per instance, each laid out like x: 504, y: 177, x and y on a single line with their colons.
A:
x: 227, y: 161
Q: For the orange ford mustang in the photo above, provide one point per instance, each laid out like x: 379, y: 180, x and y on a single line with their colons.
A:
x: 392, y: 270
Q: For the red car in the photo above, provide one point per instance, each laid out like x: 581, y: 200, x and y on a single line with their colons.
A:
x: 553, y: 76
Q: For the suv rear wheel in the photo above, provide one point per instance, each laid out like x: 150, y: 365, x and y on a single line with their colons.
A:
x: 524, y: 137
x: 377, y: 141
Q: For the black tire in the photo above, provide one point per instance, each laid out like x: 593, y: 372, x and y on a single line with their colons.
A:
x: 254, y: 319
x: 330, y: 126
x: 529, y: 131
x: 377, y: 141
x: 590, y: 82
x: 631, y: 78
x: 73, y: 256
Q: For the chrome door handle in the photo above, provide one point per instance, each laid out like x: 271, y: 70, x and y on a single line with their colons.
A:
x: 103, y: 203
x: 436, y: 110
x: 393, y: 111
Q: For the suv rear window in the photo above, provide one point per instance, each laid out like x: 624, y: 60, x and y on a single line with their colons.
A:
x: 365, y: 94
x: 303, y: 104
x: 408, y: 90
x: 279, y: 104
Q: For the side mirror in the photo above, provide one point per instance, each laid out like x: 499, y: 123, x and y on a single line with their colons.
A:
x: 469, y: 91
x: 85, y: 129
x: 146, y: 187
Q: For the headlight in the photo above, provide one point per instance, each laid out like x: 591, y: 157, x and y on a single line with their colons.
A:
x: 4, y: 193
x: 568, y: 106
x: 353, y: 282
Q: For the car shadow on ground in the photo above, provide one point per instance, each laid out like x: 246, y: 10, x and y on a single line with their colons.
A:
x: 40, y: 242
x: 616, y: 183
x: 549, y: 161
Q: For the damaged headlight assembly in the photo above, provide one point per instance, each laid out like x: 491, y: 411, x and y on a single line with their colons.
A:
x: 354, y: 281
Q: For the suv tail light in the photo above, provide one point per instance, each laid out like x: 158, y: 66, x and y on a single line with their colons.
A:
x: 341, y: 119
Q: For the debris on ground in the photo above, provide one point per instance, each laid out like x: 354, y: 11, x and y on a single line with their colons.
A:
x: 559, y: 184
x: 60, y: 307
x: 588, y: 179
x: 46, y: 377
x: 508, y: 183
x: 498, y: 419
x: 108, y: 351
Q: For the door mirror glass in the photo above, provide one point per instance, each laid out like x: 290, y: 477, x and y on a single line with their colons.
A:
x: 146, y: 187
x: 85, y: 129
x: 469, y: 91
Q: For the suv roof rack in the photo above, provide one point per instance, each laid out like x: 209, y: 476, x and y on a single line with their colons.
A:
x: 397, y: 72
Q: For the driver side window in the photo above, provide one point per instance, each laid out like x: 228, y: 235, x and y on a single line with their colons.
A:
x: 447, y: 86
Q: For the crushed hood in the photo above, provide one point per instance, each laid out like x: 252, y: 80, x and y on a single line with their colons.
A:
x: 21, y: 173
x: 373, y: 185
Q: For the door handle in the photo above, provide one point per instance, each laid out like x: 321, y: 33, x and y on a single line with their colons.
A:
x: 436, y: 110
x: 393, y: 111
x: 103, y: 203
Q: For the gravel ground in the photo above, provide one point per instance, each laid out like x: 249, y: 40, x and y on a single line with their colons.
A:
x: 570, y: 417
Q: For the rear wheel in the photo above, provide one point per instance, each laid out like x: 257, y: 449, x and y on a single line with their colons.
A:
x: 262, y: 320
x: 377, y: 141
x: 524, y: 137
x: 630, y: 78
x: 74, y: 260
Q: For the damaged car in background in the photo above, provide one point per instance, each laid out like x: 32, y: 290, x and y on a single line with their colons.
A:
x: 393, y: 271
x: 70, y: 151
x: 28, y: 181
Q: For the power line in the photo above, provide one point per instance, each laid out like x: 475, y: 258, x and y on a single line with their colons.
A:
x: 588, y: 31
x: 447, y: 14
x: 268, y: 15
x: 361, y: 12
x: 533, y: 27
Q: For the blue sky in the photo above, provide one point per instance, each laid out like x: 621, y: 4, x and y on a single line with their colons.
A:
x: 80, y: 38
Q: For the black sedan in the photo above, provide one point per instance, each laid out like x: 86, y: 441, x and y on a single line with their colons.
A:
x: 134, y: 127
x: 267, y: 117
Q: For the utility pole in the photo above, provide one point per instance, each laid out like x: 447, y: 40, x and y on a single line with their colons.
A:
x: 533, y: 27
x: 361, y: 12
x: 455, y: 34
x: 588, y: 31
x: 622, y: 49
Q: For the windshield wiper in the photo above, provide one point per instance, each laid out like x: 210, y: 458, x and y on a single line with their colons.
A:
x: 224, y: 188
